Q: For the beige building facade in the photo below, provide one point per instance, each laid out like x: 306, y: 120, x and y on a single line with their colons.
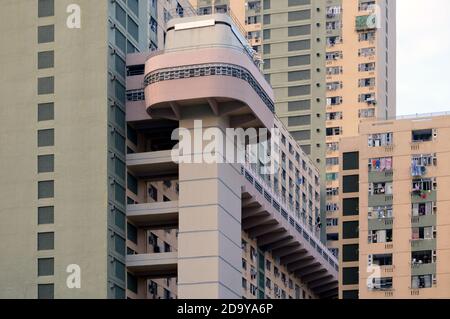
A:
x: 394, y: 226
x: 360, y: 83
x: 65, y: 121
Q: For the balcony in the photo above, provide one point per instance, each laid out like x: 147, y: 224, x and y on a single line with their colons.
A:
x: 423, y: 244
x: 153, y: 164
x: 423, y: 196
x: 379, y: 177
x: 380, y: 200
x: 381, y: 223
x: 418, y: 269
x: 153, y: 265
x: 423, y: 221
x: 278, y: 229
x: 154, y: 215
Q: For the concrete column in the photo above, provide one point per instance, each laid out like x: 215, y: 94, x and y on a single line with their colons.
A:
x: 209, y: 248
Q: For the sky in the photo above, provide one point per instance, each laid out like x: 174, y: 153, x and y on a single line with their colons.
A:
x: 423, y: 56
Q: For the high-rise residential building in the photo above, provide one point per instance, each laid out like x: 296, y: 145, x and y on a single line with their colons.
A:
x: 246, y: 15
x: 360, y: 83
x: 293, y: 52
x: 266, y: 238
x: 331, y: 64
x: 66, y: 62
x: 394, y: 221
x: 95, y: 203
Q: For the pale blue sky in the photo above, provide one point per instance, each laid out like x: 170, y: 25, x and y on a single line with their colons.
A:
x: 423, y: 56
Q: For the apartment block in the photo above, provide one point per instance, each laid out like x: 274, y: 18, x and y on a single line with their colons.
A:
x: 294, y: 63
x: 62, y: 143
x: 394, y: 196
x: 360, y: 83
x: 254, y: 235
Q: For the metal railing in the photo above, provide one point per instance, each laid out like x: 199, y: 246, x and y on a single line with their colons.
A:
x: 263, y: 187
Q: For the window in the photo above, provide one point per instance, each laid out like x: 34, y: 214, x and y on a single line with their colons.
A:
x: 119, y: 193
x: 334, y: 131
x: 299, y: 60
x: 350, y: 206
x: 421, y: 186
x: 334, y: 70
x: 380, y: 236
x: 350, y: 184
x: 382, y: 139
x: 423, y: 233
x: 381, y: 188
x: 299, y: 90
x: 299, y: 30
x: 350, y: 230
x: 333, y: 116
x: 366, y: 52
x: 331, y: 222
x: 381, y: 284
x: 423, y: 209
x: 121, y: 41
x: 301, y: 136
x: 334, y: 100
x: 46, y: 85
x: 333, y: 86
x: 46, y: 267
x: 133, y: 29
x: 46, y: 137
x: 332, y: 161
x: 299, y: 75
x: 380, y: 212
x: 366, y: 113
x: 132, y: 183
x: 380, y: 260
x: 132, y: 283
x: 119, y: 244
x: 382, y: 164
x: 332, y: 192
x: 350, y: 161
x: 46, y: 189
x: 299, y: 45
x: 46, y: 291
x: 46, y: 8
x: 422, y: 136
x: 366, y: 67
x: 46, y: 33
x: 46, y: 163
x: 132, y: 233
x: 299, y: 120
x: 350, y: 253
x: 119, y: 168
x: 45, y: 112
x: 422, y: 281
x: 331, y: 177
x: 119, y: 219
x: 299, y: 15
x: 46, y: 59
x: 119, y: 270
x: 350, y: 275
x: 45, y: 215
x: 423, y: 257
x: 333, y: 40
x: 46, y: 241
x: 332, y: 56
